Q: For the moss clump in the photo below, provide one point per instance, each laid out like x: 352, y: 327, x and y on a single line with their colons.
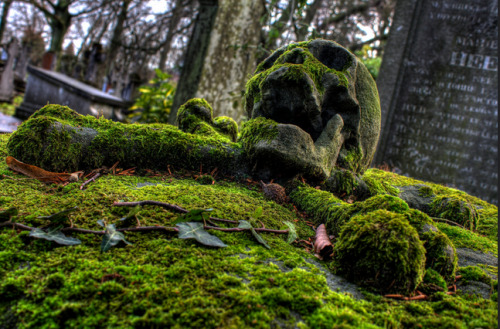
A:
x: 457, y: 210
x: 382, y: 250
x: 196, y: 117
x: 432, y: 282
x: 256, y: 130
x: 72, y: 142
x: 475, y: 273
x: 227, y: 126
x: 342, y: 182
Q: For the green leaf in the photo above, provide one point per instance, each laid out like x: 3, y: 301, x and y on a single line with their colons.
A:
x: 193, y: 215
x: 60, y: 217
x: 5, y: 215
x: 127, y: 220
x: 292, y: 233
x: 259, y: 238
x: 257, y: 213
x: 244, y: 224
x: 54, y: 235
x: 101, y: 222
x: 196, y: 231
x: 111, y: 238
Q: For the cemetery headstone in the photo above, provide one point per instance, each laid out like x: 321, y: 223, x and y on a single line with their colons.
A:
x: 45, y: 86
x: 438, y: 87
x: 8, y: 55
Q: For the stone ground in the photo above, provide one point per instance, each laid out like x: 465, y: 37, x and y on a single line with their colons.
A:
x: 8, y: 123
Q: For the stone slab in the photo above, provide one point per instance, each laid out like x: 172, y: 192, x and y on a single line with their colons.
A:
x: 438, y: 86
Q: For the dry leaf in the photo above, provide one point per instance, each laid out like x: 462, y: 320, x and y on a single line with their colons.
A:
x: 322, y: 246
x: 36, y: 172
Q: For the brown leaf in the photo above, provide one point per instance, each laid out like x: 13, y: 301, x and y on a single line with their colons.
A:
x: 322, y: 246
x: 36, y: 172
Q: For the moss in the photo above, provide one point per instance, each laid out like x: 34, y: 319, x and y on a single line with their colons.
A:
x: 342, y: 182
x: 309, y: 65
x: 457, y: 210
x: 40, y: 142
x: 162, y: 281
x: 256, y: 130
x: 433, y: 282
x: 227, y: 126
x: 381, y: 250
x: 475, y: 273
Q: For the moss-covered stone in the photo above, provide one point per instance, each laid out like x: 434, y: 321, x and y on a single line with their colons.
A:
x: 432, y: 282
x: 162, y: 281
x: 455, y: 209
x: 382, y: 250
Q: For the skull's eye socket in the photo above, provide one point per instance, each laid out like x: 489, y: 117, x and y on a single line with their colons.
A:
x: 331, y: 55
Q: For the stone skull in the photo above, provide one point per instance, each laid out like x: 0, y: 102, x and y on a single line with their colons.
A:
x: 326, y: 105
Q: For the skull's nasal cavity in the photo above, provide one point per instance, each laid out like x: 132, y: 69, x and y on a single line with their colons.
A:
x: 296, y: 56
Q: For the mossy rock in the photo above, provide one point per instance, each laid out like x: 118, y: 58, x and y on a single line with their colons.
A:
x: 323, y: 99
x: 380, y: 249
x: 457, y: 210
x: 163, y: 281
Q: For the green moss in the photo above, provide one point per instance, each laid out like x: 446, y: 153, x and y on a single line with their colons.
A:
x: 474, y: 273
x: 456, y: 209
x: 85, y: 142
x: 256, y: 130
x: 227, y: 126
x: 381, y: 250
x: 342, y: 182
x: 432, y: 282
x: 162, y: 281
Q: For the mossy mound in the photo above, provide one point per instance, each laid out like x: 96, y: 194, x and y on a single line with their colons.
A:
x: 58, y: 139
x: 382, y: 250
x: 163, y: 281
x: 437, y: 200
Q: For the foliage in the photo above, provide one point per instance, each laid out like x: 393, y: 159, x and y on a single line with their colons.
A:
x: 155, y: 101
x: 54, y: 235
x: 10, y: 108
x: 372, y: 63
x: 194, y: 230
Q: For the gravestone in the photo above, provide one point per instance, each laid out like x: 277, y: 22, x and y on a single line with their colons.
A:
x: 45, y: 86
x: 439, y: 94
x: 8, y: 55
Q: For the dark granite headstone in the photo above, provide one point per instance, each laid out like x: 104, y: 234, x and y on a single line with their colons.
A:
x: 438, y: 87
x: 55, y: 88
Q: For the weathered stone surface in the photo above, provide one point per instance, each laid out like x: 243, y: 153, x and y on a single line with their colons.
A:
x: 321, y: 89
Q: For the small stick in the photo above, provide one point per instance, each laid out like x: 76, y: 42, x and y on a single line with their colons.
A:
x: 169, y: 206
x: 447, y: 221
x: 90, y: 180
x: 237, y: 229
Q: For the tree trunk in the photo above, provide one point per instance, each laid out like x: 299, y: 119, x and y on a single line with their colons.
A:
x: 59, y: 23
x: 230, y: 59
x: 3, y: 21
x: 174, y: 21
x: 195, y: 56
x: 115, y: 44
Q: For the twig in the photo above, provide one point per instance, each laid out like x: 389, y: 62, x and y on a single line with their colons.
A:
x: 238, y: 229
x: 90, y: 180
x: 447, y: 221
x: 169, y: 206
x: 85, y: 231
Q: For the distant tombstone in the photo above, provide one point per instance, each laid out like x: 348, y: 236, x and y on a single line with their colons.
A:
x: 55, y: 88
x: 438, y: 88
x: 8, y: 55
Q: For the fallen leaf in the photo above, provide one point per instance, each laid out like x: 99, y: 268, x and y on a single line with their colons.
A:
x: 111, y: 238
x: 60, y: 217
x: 292, y: 233
x: 36, y: 172
x: 54, y: 235
x: 246, y: 225
x: 195, y: 230
x: 6, y: 215
x: 322, y: 246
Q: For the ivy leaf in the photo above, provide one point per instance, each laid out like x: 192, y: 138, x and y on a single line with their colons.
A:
x: 60, y: 217
x: 292, y: 233
x: 5, y: 215
x: 111, y: 238
x: 246, y: 225
x: 127, y: 220
x: 54, y: 235
x: 259, y: 238
x: 101, y: 223
x: 193, y: 215
x: 195, y: 230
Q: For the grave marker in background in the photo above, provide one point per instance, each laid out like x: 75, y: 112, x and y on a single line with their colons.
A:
x: 439, y: 94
